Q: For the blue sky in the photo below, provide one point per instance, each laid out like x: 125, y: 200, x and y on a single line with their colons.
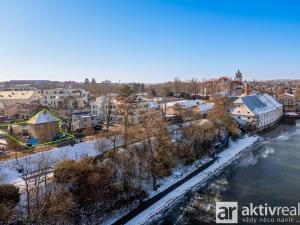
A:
x: 148, y: 40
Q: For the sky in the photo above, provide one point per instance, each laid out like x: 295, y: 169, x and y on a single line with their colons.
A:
x: 149, y: 40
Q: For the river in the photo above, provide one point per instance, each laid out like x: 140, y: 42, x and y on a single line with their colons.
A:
x: 267, y: 175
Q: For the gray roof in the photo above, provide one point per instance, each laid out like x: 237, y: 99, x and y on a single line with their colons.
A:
x: 260, y: 103
x: 253, y: 102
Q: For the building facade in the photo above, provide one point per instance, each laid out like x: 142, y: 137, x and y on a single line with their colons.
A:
x: 81, y: 121
x: 289, y: 102
x: 103, y: 107
x: 59, y: 97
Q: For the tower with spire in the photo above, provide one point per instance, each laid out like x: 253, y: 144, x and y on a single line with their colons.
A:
x: 238, y: 76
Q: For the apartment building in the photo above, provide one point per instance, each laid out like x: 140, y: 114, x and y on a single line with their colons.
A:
x: 59, y: 97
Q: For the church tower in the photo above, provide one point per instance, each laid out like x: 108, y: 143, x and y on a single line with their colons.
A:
x: 238, y: 76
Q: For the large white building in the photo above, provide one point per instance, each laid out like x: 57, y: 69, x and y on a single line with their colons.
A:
x: 55, y: 98
x: 260, y: 110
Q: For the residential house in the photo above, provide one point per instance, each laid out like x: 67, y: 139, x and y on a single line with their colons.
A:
x: 43, y: 126
x: 104, y: 106
x: 140, y: 109
x: 81, y: 121
x: 171, y: 107
x: 289, y: 102
x: 20, y: 111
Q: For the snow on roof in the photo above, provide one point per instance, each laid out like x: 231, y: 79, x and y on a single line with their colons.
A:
x: 205, y: 107
x: 185, y: 103
x: 83, y: 115
x: 3, y: 141
x: 19, y: 95
x: 260, y: 103
x: 153, y: 105
x: 43, y: 117
x: 287, y: 94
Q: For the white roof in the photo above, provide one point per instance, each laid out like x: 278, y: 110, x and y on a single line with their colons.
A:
x: 19, y: 94
x: 185, y: 103
x: 3, y: 141
x: 153, y: 105
x: 205, y: 107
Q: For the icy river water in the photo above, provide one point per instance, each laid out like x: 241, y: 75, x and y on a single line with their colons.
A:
x: 269, y: 174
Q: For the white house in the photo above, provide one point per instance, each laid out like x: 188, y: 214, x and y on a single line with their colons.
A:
x: 260, y: 110
x: 84, y: 121
x: 54, y: 98
x: 101, y: 107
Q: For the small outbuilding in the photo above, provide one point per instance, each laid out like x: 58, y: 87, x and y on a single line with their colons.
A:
x: 43, y: 126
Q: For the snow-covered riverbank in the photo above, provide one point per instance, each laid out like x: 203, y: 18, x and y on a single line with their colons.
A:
x: 225, y: 158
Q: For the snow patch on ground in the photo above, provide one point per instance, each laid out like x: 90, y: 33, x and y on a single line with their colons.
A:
x: 76, y: 152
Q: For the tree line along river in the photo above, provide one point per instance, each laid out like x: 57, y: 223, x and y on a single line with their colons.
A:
x: 269, y: 174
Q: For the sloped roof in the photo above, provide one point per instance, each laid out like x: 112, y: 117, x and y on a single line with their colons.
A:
x: 260, y: 103
x: 19, y: 95
x: 43, y: 117
x: 205, y: 107
x: 185, y: 104
x: 153, y: 105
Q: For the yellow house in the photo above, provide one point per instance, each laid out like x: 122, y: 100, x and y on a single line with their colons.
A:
x: 43, y: 126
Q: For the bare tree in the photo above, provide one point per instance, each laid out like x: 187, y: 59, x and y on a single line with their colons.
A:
x: 152, y: 132
x: 70, y: 104
x: 108, y: 110
x: 36, y: 185
x: 126, y: 99
x: 177, y: 85
x: 194, y: 86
